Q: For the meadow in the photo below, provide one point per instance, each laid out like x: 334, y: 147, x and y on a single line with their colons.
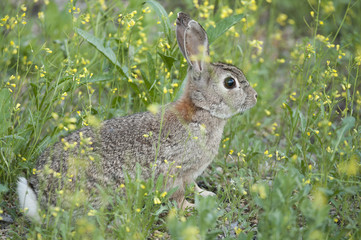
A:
x: 289, y: 168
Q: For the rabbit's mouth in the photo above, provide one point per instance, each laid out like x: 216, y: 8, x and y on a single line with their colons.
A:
x: 246, y: 107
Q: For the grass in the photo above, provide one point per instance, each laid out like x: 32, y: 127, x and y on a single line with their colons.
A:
x: 287, y: 169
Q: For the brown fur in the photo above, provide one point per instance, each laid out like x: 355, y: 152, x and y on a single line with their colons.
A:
x: 185, y: 109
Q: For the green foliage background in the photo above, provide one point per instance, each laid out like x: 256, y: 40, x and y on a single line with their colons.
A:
x: 287, y: 169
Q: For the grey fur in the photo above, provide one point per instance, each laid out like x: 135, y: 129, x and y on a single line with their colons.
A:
x: 187, y: 131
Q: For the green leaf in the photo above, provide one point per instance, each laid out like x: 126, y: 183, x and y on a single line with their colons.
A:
x: 12, y: 136
x: 347, y: 124
x: 151, y: 68
x: 97, y: 79
x: 162, y: 14
x: 222, y: 26
x: 161, y: 210
x: 303, y: 121
x: 5, y: 110
x: 168, y: 60
x: 290, y: 111
x: 160, y: 182
x: 3, y: 188
x: 106, y: 51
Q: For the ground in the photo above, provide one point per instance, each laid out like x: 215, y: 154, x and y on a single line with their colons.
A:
x: 289, y: 168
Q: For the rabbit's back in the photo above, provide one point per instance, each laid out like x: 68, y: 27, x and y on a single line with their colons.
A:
x: 160, y: 143
x: 98, y: 155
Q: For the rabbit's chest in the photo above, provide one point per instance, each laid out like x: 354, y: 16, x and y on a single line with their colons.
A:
x: 205, y: 139
x: 200, y: 147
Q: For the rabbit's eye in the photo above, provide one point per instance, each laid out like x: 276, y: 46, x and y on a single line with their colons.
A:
x: 229, y: 82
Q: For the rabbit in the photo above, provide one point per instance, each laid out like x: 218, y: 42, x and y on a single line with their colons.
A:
x: 186, y: 133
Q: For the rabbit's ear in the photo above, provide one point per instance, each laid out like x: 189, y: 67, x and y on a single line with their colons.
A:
x: 182, y: 24
x: 193, y: 42
x: 196, y: 45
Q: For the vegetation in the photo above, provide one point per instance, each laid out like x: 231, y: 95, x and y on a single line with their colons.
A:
x: 287, y: 169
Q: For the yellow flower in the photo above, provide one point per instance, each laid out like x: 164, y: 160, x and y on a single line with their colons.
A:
x: 48, y: 50
x: 5, y: 19
x: 23, y: 7
x: 131, y: 23
x: 253, y: 5
x: 153, y: 108
x: 41, y: 15
x: 226, y: 11
x: 329, y: 7
x: 281, y: 60
x: 157, y: 201
x: 358, y: 60
x: 146, y: 10
x: 281, y: 19
x: 257, y: 44
x: 237, y: 230
x: 64, y: 95
x: 92, y: 212
x: 260, y: 189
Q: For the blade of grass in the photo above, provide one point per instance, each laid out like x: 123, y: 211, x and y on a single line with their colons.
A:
x: 222, y: 26
x: 106, y: 51
x: 162, y: 14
